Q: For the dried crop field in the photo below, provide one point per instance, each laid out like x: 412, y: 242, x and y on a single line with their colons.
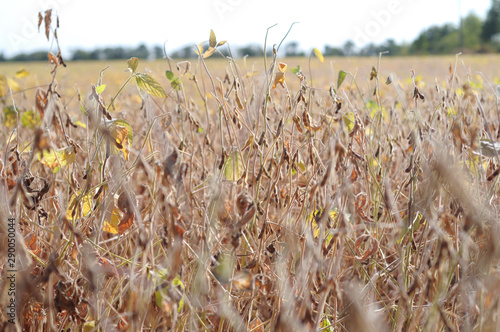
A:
x: 271, y: 194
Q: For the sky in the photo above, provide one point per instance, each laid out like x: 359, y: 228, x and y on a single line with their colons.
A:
x: 91, y: 23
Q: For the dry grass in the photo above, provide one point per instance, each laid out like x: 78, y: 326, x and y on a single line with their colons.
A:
x: 243, y: 207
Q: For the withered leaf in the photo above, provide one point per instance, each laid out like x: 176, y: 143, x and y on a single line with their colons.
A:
x: 170, y: 163
x: 40, y: 20
x: 279, y: 78
x: 126, y: 222
x: 371, y: 247
x: 48, y: 20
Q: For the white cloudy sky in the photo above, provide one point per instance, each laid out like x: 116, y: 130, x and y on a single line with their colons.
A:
x: 91, y: 23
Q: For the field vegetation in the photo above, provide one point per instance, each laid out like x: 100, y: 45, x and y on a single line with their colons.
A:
x: 263, y: 194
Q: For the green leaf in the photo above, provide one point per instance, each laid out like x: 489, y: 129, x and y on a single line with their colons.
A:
x: 169, y: 75
x: 233, y: 169
x: 295, y: 70
x: 177, y: 282
x: 83, y: 110
x: 9, y: 116
x: 30, y: 119
x: 340, y: 80
x: 132, y: 64
x: 176, y: 83
x: 221, y: 43
x: 21, y: 73
x: 212, y: 41
x: 149, y: 85
x: 100, y: 89
x: 319, y: 55
x: 3, y: 86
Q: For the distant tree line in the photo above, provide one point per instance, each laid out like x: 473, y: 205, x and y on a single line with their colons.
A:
x: 471, y: 35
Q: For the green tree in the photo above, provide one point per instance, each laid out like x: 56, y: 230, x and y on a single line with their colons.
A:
x: 472, y: 28
x: 185, y: 52
x: 491, y: 25
x: 333, y: 51
x: 293, y: 49
x: 140, y: 52
x: 251, y: 50
x: 349, y: 48
x: 437, y: 40
x: 158, y: 52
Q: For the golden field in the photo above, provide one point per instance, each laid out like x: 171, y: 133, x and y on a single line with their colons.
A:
x: 232, y: 195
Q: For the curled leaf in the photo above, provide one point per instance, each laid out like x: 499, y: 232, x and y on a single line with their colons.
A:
x: 373, y: 73
x: 48, y: 20
x: 132, y: 64
x: 122, y: 135
x: 370, y: 247
x: 319, y: 55
x: 279, y: 78
x: 208, y: 52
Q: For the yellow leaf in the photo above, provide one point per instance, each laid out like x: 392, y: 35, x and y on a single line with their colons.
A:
x: 199, y: 49
x: 22, y: 73
x: 89, y: 326
x: 250, y: 74
x: 14, y: 85
x: 319, y: 55
x: 314, y: 224
x: 208, y: 52
x: 279, y: 78
x: 121, y: 131
x: 54, y: 159
x: 81, y: 124
x: 349, y: 121
x: 79, y: 206
x: 234, y: 169
x: 3, y: 86
x: 100, y: 89
x: 282, y: 67
x: 111, y: 225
